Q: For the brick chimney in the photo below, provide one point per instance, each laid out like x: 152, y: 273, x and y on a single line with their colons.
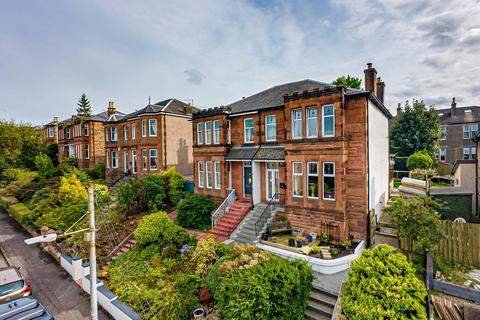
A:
x: 454, y: 106
x: 399, y: 109
x: 380, y: 89
x: 55, y: 119
x: 111, y: 108
x: 370, y: 78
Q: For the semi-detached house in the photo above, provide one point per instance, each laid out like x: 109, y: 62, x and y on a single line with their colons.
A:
x: 319, y: 149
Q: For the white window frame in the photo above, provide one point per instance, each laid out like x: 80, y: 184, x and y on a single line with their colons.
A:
x: 134, y: 162
x: 144, y: 128
x: 133, y: 131
x: 294, y: 174
x: 443, y: 151
x: 107, y: 158
x: 51, y: 132
x: 217, y: 175
x: 229, y: 132
x: 125, y: 132
x: 113, y: 134
x: 473, y: 153
x: 466, y: 131
x: 308, y: 118
x: 329, y: 116
x: 296, y: 122
x: 466, y: 152
x: 216, y: 132
x: 208, y: 174
x: 144, y: 159
x: 107, y: 134
x: 67, y: 133
x: 274, y: 125
x: 87, y: 151
x: 86, y: 129
x: 443, y: 129
x: 125, y: 161
x: 152, y: 123
x: 114, y: 157
x: 245, y: 130
x: 334, y: 181
x: 208, y: 132
x: 199, y: 133
x: 309, y: 174
x: 154, y: 157
x: 475, y: 125
x: 201, y: 174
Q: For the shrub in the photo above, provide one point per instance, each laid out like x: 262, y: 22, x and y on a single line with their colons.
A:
x: 243, y: 257
x: 52, y: 152
x: 45, y: 166
x: 274, y: 289
x: 158, y: 228
x: 176, y: 192
x: 156, y: 194
x: 19, y: 212
x: 62, y: 218
x: 98, y: 172
x: 131, y: 196
x: 71, y: 190
x: 204, y: 255
x: 195, y: 212
x: 382, y: 284
x: 419, y: 160
x: 214, y: 277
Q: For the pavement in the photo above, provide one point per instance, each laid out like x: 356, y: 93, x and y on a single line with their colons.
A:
x: 50, y: 284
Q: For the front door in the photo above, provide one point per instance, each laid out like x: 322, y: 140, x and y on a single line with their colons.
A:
x: 247, y: 179
x: 272, y: 180
x: 134, y: 161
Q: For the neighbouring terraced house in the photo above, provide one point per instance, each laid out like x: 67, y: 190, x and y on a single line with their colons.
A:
x: 320, y: 150
x: 459, y: 126
x: 50, y: 132
x: 83, y: 138
x: 149, y: 140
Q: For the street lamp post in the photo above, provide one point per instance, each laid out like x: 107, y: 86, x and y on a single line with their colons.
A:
x: 93, y: 257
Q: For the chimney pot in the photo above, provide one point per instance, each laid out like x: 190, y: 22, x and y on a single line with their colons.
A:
x: 454, y: 106
x: 369, y: 65
x: 380, y: 89
x: 111, y: 108
x: 399, y: 108
x: 370, y: 78
x: 55, y: 119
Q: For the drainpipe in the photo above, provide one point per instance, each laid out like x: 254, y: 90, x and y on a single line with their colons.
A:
x: 475, y: 139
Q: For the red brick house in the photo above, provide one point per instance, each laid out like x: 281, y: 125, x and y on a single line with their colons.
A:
x: 83, y: 138
x: 319, y: 148
x: 149, y: 140
x: 50, y: 132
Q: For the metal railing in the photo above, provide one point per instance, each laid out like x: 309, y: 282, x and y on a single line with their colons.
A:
x: 277, y: 201
x: 125, y: 243
x: 222, y: 209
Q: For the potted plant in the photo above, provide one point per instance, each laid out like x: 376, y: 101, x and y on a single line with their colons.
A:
x: 346, y: 243
x: 291, y: 242
x: 325, y: 237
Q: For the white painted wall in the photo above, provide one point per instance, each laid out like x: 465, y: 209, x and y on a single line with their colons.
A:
x: 378, y: 157
x: 256, y: 180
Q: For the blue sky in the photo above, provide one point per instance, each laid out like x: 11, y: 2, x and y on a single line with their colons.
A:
x: 215, y: 52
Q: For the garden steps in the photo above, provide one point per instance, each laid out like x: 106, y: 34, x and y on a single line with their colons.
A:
x: 245, y: 232
x: 125, y: 246
x: 229, y: 222
x: 321, y: 304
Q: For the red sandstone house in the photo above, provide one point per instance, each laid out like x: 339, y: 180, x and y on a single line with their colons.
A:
x: 149, y: 140
x: 50, y: 132
x: 83, y: 138
x: 318, y: 149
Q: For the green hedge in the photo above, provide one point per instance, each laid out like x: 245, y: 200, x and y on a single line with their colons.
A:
x: 274, y: 289
x: 19, y: 212
x: 5, y: 200
x: 195, y: 212
x: 382, y: 284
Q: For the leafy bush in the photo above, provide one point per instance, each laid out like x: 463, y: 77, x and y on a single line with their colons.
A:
x: 214, y: 277
x: 274, y: 289
x: 382, y: 284
x: 19, y: 212
x: 98, y: 171
x: 158, y: 228
x: 243, y: 257
x: 419, y: 160
x: 131, y: 196
x: 45, y: 166
x: 195, y: 211
x: 204, y: 255
x: 156, y: 193
x: 71, y: 190
x: 176, y: 191
x: 52, y: 152
x: 62, y: 218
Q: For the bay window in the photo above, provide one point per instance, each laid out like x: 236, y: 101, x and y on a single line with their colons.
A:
x: 208, y: 167
x: 113, y: 131
x: 152, y: 124
x: 144, y: 159
x: 216, y: 169
x: 114, y: 159
x: 201, y: 175
x: 144, y: 128
x: 153, y: 159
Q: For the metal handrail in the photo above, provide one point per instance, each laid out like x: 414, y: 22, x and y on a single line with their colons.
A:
x: 222, y: 209
x: 117, y: 248
x: 266, y: 213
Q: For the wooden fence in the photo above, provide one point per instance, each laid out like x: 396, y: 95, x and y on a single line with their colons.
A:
x: 460, y: 245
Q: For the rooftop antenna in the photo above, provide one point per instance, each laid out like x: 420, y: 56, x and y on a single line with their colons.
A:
x: 148, y: 100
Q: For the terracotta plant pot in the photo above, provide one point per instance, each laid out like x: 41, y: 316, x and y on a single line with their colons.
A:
x: 205, y: 295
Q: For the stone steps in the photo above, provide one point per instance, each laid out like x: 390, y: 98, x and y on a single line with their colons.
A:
x: 321, y: 304
x: 246, y: 233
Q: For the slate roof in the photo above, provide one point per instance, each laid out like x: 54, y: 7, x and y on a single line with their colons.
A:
x: 273, y: 97
x: 103, y: 116
x: 460, y: 115
x: 256, y: 153
x: 171, y: 105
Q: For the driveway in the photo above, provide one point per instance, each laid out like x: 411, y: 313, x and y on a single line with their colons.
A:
x: 50, y: 283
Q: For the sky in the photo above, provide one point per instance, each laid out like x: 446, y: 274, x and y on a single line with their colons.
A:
x: 216, y: 52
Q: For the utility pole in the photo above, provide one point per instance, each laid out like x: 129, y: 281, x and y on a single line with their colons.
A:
x: 93, y: 256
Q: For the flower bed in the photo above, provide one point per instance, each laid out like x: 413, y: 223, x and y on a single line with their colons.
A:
x: 337, y: 264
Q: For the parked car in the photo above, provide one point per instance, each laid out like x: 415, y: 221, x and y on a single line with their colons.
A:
x: 12, y: 285
x: 24, y: 308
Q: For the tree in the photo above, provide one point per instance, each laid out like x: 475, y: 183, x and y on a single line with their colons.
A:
x: 419, y: 160
x: 350, y: 82
x: 417, y: 129
x: 417, y: 221
x: 84, y: 108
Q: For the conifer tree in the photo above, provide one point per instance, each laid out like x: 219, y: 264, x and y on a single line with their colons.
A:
x: 84, y: 108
